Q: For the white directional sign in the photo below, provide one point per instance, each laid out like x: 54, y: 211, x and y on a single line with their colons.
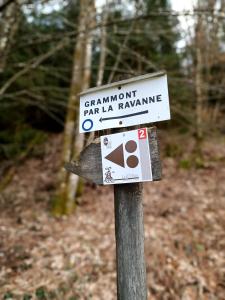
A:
x: 139, y: 100
x: 126, y: 157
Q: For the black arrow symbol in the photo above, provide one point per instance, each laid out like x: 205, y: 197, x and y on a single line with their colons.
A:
x: 124, y: 116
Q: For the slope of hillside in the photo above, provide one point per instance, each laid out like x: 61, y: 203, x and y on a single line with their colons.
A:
x: 74, y: 257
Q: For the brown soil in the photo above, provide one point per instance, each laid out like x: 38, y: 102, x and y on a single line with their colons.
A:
x: 74, y: 257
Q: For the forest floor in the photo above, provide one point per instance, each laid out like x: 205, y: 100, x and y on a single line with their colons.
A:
x: 44, y: 257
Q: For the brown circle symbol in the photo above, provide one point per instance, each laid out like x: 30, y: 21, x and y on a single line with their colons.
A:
x: 132, y: 161
x: 131, y: 146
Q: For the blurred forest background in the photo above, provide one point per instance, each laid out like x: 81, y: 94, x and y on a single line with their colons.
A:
x: 56, y: 244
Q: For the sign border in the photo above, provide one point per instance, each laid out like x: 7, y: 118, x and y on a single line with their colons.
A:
x: 123, y: 82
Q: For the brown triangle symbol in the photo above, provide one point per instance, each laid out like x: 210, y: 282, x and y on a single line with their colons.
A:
x: 116, y: 156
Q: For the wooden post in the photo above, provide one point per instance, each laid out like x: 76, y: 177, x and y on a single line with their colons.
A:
x: 129, y: 229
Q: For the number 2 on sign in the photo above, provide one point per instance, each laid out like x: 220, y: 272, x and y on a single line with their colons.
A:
x: 142, y: 133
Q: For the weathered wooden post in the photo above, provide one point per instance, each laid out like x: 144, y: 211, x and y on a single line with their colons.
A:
x: 131, y: 270
x: 127, y: 157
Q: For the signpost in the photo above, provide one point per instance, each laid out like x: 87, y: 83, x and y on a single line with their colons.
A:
x: 125, y: 160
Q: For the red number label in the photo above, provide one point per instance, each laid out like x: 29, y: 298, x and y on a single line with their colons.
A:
x: 142, y: 133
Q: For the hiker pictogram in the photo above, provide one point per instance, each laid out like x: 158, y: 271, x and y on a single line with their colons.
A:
x: 108, y: 175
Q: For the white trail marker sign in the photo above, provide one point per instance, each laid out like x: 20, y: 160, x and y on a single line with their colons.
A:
x: 140, y: 100
x: 126, y: 157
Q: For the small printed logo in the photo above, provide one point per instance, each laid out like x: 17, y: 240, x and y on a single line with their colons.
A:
x: 105, y: 141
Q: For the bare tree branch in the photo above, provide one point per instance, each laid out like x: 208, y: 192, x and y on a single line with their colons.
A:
x: 33, y: 65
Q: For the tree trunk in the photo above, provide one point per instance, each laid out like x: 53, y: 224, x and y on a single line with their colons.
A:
x: 102, y: 58
x: 9, y: 21
x: 199, y: 78
x: 103, y: 47
x: 73, y: 141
